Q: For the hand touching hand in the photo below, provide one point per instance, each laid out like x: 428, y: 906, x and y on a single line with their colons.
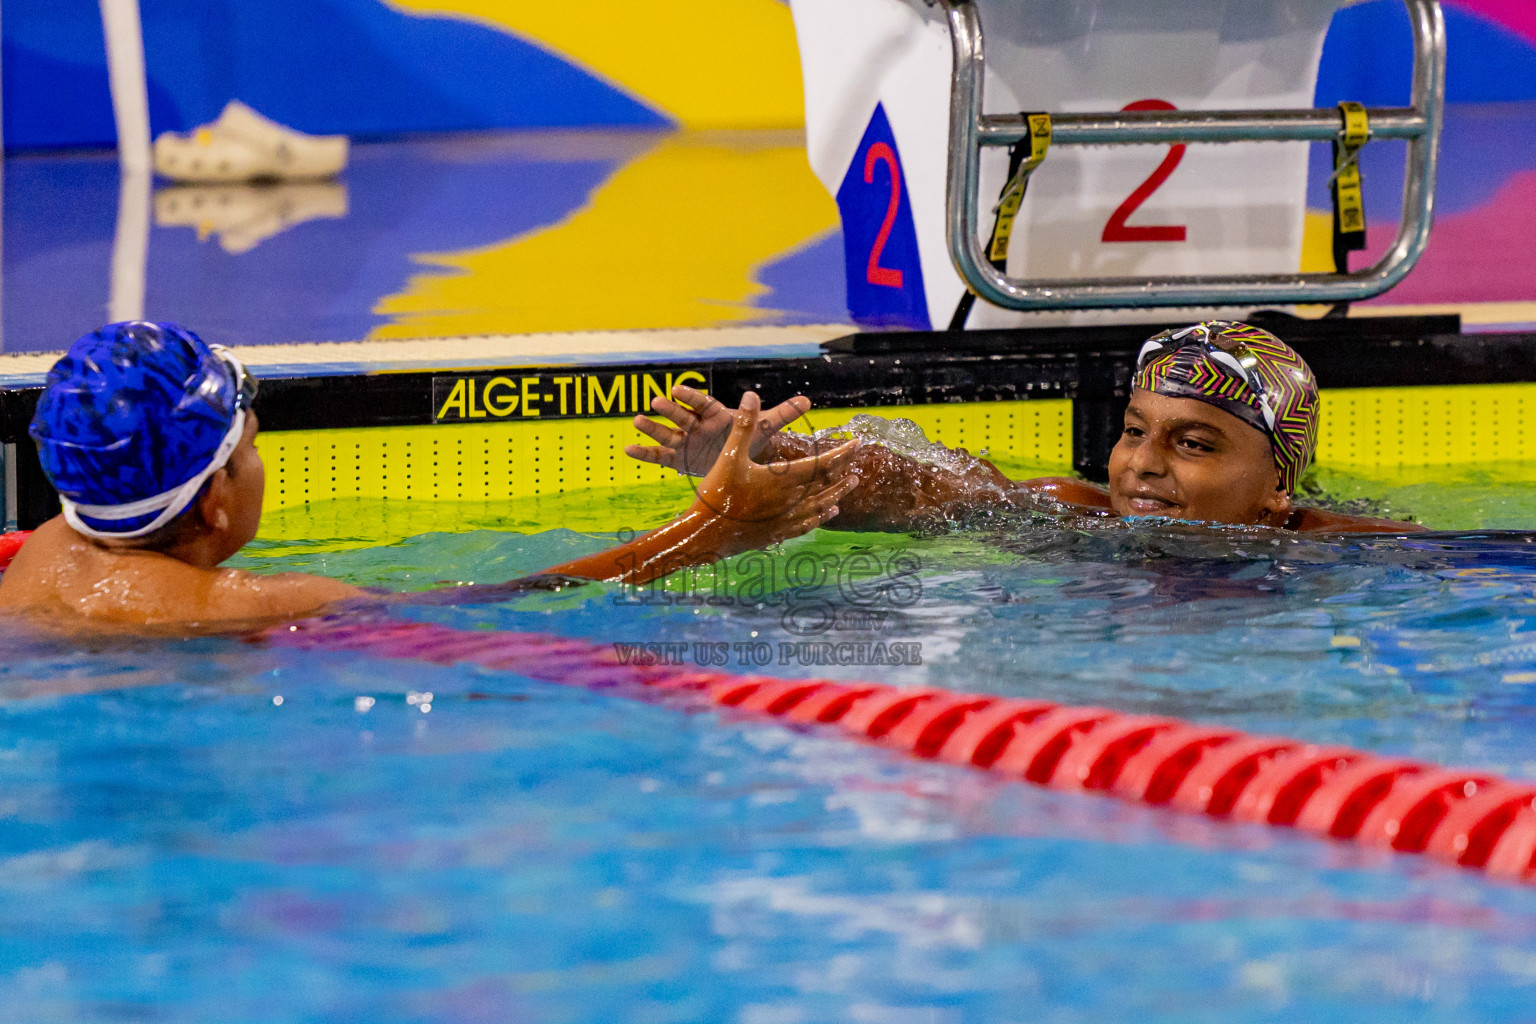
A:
x: 702, y: 425
x: 740, y: 505
x: 755, y: 505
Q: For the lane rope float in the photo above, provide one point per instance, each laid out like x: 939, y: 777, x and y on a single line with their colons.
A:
x: 10, y: 543
x: 1469, y: 818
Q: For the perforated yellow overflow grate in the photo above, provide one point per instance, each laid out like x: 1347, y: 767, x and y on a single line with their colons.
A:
x: 450, y: 463
x: 1376, y: 428
x: 525, y: 459
x: 1446, y: 425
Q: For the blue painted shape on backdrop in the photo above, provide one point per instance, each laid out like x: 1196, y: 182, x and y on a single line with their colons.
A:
x: 884, y: 271
x: 319, y: 280
x: 806, y: 286
x: 1482, y: 149
x: 355, y: 67
x: 1368, y: 57
x: 53, y: 73
x: 59, y: 219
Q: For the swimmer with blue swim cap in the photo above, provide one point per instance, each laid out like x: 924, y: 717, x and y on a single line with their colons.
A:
x: 1221, y: 425
x: 138, y: 408
x: 148, y: 434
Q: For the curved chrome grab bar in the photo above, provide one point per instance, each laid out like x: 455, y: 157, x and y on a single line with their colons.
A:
x: 970, y: 130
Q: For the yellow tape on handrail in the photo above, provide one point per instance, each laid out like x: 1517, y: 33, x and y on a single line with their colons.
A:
x: 1348, y: 185
x: 1040, y: 132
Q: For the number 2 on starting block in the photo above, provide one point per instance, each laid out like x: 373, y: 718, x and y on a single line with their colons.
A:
x: 885, y: 273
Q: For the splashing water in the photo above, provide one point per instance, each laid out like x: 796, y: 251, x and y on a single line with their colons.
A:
x: 986, y: 499
x: 904, y: 437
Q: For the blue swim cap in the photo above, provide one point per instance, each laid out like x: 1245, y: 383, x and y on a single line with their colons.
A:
x: 133, y: 421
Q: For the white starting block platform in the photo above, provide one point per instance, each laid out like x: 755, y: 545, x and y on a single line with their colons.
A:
x: 888, y: 127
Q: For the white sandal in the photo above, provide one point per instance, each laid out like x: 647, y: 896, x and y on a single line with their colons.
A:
x: 244, y: 146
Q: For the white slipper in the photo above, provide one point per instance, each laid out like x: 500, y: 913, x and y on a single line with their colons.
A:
x: 244, y: 146
x: 294, y: 154
x: 206, y: 157
x: 244, y: 216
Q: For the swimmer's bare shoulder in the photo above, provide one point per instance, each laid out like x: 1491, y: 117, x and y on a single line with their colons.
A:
x: 1303, y: 519
x: 59, y: 573
x: 1315, y: 520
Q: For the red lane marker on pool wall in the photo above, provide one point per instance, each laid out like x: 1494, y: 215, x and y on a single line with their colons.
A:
x: 1472, y: 819
x: 10, y: 543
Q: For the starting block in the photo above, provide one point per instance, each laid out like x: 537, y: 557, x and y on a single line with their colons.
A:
x: 909, y: 105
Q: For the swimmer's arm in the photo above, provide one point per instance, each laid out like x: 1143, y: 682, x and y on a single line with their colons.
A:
x: 1069, y: 491
x: 292, y: 595
x: 693, y: 538
x: 1313, y: 520
x: 237, y: 594
x: 898, y: 493
x: 740, y: 505
x: 697, y: 537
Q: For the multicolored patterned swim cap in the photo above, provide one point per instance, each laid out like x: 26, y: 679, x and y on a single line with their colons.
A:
x: 1247, y: 372
x: 134, y: 419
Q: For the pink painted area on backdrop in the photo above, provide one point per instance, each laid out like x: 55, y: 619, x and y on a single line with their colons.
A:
x: 1519, y: 16
x: 1482, y: 255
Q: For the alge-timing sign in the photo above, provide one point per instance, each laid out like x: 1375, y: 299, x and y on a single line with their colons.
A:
x: 565, y: 394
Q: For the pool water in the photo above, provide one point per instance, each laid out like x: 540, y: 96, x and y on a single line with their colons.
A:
x: 208, y: 830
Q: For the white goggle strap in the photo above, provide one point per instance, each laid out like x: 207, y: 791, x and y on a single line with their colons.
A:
x: 169, y: 504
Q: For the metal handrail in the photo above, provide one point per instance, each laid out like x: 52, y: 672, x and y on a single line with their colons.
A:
x: 970, y: 130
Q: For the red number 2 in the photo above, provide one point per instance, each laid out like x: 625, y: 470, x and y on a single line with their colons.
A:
x: 876, y: 274
x: 1117, y: 230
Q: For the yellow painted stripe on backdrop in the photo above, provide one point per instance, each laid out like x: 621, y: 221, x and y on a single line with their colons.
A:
x: 674, y: 239
x: 1317, y: 243
x: 704, y: 63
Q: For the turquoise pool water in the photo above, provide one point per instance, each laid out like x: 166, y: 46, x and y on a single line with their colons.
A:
x: 209, y: 830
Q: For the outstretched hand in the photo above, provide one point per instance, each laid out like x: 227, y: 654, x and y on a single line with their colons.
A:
x: 740, y: 504
x: 702, y: 424
x: 755, y: 505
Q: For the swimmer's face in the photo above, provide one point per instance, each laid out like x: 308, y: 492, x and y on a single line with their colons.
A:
x: 247, y: 487
x: 1186, y: 459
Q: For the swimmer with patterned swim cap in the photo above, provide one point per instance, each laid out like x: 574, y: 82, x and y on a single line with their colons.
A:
x: 1222, y: 423
x: 148, y: 434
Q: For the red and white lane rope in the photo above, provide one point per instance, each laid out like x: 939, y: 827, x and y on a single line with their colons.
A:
x: 1470, y: 818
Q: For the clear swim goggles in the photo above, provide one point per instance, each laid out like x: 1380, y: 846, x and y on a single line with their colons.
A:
x: 246, y: 385
x: 1239, y: 358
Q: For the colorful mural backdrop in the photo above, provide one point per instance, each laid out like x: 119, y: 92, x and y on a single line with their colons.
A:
x: 641, y: 228
x: 371, y: 68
